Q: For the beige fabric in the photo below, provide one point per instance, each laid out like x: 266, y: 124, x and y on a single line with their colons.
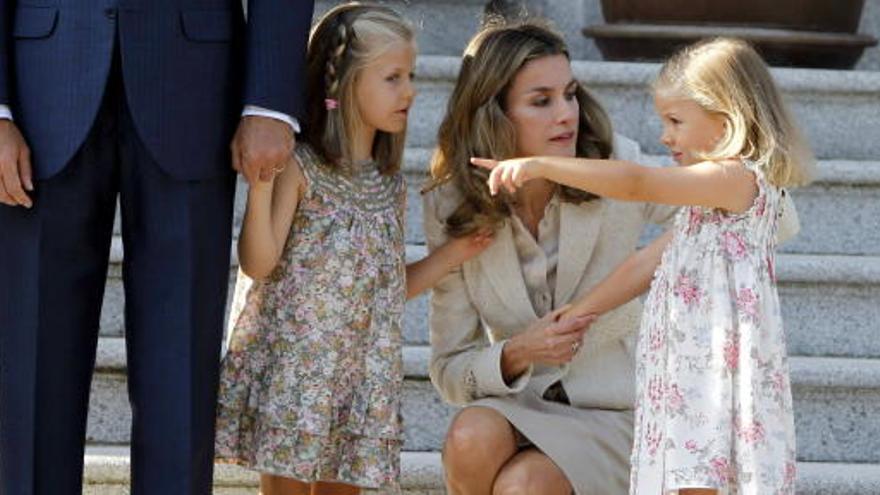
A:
x: 538, y: 258
x: 477, y: 307
x: 591, y: 446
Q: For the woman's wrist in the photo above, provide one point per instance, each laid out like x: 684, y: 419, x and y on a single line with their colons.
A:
x: 514, y: 360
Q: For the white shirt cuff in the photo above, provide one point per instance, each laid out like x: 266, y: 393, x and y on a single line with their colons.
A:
x: 5, y: 112
x: 265, y: 112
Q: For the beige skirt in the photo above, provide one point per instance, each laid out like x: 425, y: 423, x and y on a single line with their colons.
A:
x: 591, y: 446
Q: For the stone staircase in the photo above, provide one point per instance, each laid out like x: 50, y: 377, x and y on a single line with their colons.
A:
x: 829, y: 275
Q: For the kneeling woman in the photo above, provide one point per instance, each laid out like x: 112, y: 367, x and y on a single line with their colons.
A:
x: 548, y: 404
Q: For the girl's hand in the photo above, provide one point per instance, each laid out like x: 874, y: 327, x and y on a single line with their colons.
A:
x: 508, y: 173
x: 267, y: 185
x: 462, y: 249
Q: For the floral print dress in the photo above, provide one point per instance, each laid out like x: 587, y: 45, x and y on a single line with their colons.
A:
x: 312, y: 380
x: 714, y: 407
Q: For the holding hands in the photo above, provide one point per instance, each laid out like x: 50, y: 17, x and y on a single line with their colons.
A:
x: 261, y: 147
x: 552, y: 340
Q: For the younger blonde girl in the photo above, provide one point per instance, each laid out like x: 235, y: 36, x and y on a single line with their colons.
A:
x: 714, y: 407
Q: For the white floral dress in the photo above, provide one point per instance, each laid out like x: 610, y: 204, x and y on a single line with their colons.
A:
x: 713, y: 399
x: 312, y: 381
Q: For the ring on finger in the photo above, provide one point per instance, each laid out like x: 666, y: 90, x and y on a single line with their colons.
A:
x: 575, y: 346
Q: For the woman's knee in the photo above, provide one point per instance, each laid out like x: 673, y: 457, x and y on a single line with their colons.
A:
x: 478, y: 436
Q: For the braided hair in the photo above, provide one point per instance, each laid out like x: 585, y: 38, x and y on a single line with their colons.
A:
x: 343, y: 41
x: 336, y: 60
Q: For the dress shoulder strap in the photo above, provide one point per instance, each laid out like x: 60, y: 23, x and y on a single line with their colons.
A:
x: 311, y: 164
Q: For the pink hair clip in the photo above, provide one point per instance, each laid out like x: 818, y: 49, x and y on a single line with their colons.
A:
x: 331, y: 103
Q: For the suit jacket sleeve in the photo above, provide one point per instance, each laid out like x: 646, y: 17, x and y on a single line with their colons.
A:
x: 465, y: 365
x: 277, y: 36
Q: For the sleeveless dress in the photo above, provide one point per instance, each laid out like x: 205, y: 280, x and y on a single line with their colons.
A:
x: 311, y: 384
x: 713, y: 398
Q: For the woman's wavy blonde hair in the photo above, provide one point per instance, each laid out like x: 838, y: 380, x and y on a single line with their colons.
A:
x: 476, y: 123
x: 346, y: 39
x: 727, y: 77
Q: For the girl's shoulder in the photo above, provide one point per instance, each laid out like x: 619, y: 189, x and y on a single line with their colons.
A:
x: 756, y: 168
x: 307, y: 157
x: 314, y: 167
x: 766, y: 190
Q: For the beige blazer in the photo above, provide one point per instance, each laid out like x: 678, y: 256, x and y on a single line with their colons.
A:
x: 477, y: 307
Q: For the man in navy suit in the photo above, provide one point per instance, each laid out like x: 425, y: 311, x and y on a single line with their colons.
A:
x: 135, y: 100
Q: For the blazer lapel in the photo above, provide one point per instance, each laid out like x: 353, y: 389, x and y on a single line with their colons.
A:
x: 501, y: 264
x: 579, y: 227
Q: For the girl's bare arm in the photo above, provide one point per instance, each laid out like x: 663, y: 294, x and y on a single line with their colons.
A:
x: 268, y: 217
x: 629, y: 280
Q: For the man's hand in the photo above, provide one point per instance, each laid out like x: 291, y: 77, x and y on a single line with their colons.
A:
x: 261, y: 147
x: 15, y: 167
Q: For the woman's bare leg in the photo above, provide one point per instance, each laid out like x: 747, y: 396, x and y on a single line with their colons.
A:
x: 479, y: 442
x: 697, y: 491
x: 529, y: 472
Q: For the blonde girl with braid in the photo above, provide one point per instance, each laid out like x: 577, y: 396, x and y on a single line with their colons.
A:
x: 311, y: 383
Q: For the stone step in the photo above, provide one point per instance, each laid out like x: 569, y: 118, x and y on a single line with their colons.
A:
x: 107, y: 468
x: 840, y: 212
x: 837, y: 110
x: 836, y: 403
x: 107, y: 473
x: 828, y: 303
